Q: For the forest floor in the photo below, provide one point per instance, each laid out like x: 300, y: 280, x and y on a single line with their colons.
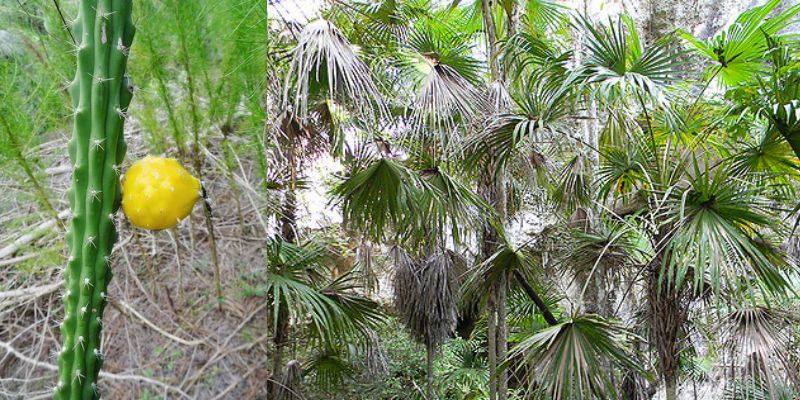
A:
x: 164, y: 333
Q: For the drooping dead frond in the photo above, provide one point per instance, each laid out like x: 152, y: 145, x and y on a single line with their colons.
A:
x: 326, y: 64
x: 426, y: 295
x: 405, y: 281
x: 445, y: 97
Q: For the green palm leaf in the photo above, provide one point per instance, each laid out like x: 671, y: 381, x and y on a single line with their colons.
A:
x: 378, y: 197
x: 540, y: 106
x: 719, y: 221
x: 570, y: 360
x: 385, y: 196
x: 294, y: 275
x: 738, y: 51
x: 618, y: 63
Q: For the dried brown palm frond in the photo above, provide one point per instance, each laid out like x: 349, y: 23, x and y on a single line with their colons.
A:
x: 426, y: 299
x: 425, y: 294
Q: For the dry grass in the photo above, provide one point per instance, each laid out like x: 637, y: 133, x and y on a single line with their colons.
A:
x: 163, y: 334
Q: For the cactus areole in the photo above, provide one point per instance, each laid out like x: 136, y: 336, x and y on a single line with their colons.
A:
x: 158, y: 192
x: 100, y: 95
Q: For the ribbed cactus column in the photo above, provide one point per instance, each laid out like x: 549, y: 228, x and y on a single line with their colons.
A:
x: 100, y: 94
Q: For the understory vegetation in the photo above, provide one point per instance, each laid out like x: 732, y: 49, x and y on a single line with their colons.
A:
x: 460, y: 200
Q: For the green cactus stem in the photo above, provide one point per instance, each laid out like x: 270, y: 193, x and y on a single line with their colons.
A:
x: 100, y: 94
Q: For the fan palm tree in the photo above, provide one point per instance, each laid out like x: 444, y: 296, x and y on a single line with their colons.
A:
x: 298, y: 287
x: 324, y: 84
x: 410, y: 197
x: 666, y: 176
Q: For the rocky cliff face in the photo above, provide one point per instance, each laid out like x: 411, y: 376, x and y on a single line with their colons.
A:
x: 703, y: 18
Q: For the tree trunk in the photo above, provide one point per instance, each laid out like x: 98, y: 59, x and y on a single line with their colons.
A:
x: 492, y: 344
x: 288, y: 234
x: 279, y: 343
x: 491, y: 37
x: 502, y: 339
x: 668, y: 312
x: 289, y: 212
x: 672, y: 388
x: 511, y: 16
x: 492, y: 187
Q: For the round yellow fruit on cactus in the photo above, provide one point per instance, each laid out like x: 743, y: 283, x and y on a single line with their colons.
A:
x: 158, y: 192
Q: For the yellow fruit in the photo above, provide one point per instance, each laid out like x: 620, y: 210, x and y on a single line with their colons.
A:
x: 158, y: 192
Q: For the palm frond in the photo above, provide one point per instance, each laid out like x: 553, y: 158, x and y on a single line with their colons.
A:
x: 766, y: 160
x: 329, y: 368
x: 719, y: 221
x: 526, y: 52
x: 738, y: 51
x: 569, y: 360
x: 620, y: 173
x: 544, y: 15
x: 619, y: 64
x: 451, y: 209
x: 481, y: 278
x: 325, y: 64
x: 541, y: 105
x: 385, y: 196
x: 444, y: 79
x: 294, y: 275
x: 574, y: 187
x: 378, y: 197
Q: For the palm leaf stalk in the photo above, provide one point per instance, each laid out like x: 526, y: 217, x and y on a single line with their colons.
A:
x: 101, y: 95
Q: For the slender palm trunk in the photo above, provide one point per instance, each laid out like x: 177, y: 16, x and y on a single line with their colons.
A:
x: 491, y: 36
x: 502, y: 337
x: 668, y: 313
x: 494, y: 192
x: 288, y: 234
x: 279, y: 344
x: 492, y: 344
